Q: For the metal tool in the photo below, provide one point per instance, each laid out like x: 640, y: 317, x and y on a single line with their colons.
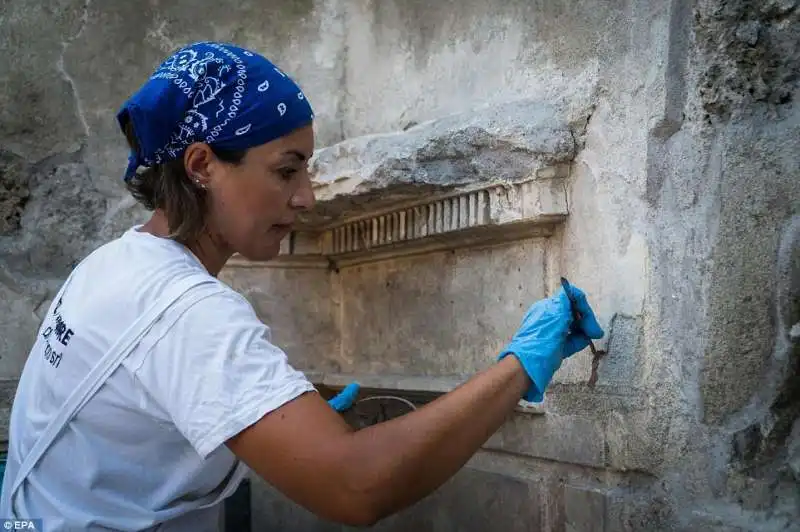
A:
x: 597, y: 354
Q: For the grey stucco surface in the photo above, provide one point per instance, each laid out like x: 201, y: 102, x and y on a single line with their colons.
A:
x: 683, y: 226
x: 445, y: 332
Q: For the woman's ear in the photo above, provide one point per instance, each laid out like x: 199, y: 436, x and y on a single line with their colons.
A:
x: 198, y: 161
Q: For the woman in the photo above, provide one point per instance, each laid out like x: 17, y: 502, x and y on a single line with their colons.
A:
x: 152, y: 387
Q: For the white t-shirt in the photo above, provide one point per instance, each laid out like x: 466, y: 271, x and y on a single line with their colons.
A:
x: 151, y: 441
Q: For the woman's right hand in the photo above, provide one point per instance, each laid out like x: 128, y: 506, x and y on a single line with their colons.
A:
x: 548, y: 335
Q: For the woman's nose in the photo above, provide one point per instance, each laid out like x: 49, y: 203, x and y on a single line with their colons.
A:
x: 303, y: 197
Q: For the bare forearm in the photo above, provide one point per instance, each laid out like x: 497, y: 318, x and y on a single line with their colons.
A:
x: 396, y: 463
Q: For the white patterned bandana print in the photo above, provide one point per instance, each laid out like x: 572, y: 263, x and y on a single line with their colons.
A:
x: 216, y: 93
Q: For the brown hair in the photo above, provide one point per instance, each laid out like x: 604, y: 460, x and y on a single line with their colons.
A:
x: 167, y: 187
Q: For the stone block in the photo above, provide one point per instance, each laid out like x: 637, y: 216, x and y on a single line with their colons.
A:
x: 744, y: 284
x: 729, y: 518
x: 553, y: 511
x: 271, y: 510
x: 621, y: 365
x: 471, y: 501
x: 599, y: 508
x: 584, y: 509
x: 595, y: 500
x: 567, y: 439
x: 636, y: 441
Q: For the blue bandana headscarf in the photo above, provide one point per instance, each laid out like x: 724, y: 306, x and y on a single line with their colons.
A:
x: 216, y: 93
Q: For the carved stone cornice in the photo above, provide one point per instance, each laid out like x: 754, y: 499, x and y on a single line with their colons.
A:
x: 469, y: 217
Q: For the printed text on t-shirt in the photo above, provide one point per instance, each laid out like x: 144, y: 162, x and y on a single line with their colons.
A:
x: 59, y: 334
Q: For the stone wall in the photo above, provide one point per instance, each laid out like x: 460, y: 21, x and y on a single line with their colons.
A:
x: 660, y: 139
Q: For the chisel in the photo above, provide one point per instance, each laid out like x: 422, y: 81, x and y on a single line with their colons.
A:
x: 597, y: 354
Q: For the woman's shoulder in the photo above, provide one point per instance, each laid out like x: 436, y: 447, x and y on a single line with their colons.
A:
x: 214, y: 309
x: 220, y: 299
x: 207, y: 324
x: 137, y: 272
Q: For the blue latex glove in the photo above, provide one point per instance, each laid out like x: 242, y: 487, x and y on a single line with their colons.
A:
x: 548, y: 335
x: 344, y: 399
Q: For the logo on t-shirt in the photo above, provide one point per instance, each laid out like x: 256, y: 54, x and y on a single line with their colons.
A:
x: 57, y: 335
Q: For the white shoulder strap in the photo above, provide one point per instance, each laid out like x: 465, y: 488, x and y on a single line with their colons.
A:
x: 100, y: 373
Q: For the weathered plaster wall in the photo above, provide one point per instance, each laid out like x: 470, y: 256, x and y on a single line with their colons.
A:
x: 438, y: 314
x: 684, y: 198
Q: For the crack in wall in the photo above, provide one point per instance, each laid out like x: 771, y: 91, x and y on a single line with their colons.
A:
x: 65, y: 44
x: 158, y: 34
x: 341, y: 104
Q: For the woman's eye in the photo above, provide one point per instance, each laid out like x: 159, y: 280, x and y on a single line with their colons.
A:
x: 287, y: 173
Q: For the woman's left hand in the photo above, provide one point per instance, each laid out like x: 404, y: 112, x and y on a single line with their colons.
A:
x: 345, y: 399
